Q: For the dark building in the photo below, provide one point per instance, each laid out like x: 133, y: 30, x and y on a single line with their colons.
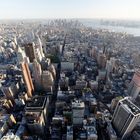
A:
x: 36, y: 111
x: 30, y: 51
x: 38, y: 103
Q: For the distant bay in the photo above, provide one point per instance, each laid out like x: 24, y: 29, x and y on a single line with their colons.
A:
x: 132, y: 27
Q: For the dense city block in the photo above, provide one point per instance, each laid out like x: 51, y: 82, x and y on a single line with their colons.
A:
x: 62, y: 80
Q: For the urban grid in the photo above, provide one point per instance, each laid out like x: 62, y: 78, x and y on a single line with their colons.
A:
x: 62, y: 80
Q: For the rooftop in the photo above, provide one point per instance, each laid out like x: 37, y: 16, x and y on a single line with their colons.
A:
x: 37, y: 101
x: 78, y: 104
x: 130, y: 106
x: 32, y: 117
x: 91, y: 130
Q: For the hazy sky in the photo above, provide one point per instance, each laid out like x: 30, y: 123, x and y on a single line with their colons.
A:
x: 13, y: 9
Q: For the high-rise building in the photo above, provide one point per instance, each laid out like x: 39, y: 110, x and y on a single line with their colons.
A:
x: 30, y: 51
x: 114, y: 102
x: 101, y: 59
x: 21, y: 57
x: 134, y: 87
x: 78, y: 109
x: 27, y: 79
x: 6, y: 120
x: 125, y: 117
x: 47, y: 80
x: 36, y: 114
x: 10, y: 90
x: 40, y: 46
x: 51, y: 68
x: 45, y: 63
x: 93, y: 52
x: 37, y: 71
x: 108, y: 67
x: 63, y: 82
x: 20, y: 54
x: 38, y: 103
x: 101, y: 74
x: 38, y: 55
x: 35, y: 122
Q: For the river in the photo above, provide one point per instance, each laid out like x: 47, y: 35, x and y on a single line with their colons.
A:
x: 96, y: 24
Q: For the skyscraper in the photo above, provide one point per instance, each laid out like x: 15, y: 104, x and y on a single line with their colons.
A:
x: 40, y: 46
x: 47, y: 80
x: 51, y: 68
x: 37, y: 71
x: 36, y: 112
x: 10, y: 90
x: 134, y: 87
x: 101, y: 59
x: 93, y: 52
x: 125, y: 117
x: 78, y: 109
x: 30, y: 51
x: 38, y: 55
x: 21, y: 57
x: 27, y: 79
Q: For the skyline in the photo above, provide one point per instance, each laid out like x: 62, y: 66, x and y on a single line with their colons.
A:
x: 48, y: 9
x: 69, y: 69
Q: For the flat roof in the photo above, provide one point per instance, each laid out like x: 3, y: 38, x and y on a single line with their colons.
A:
x: 131, y: 106
x: 78, y: 104
x: 36, y: 101
x: 32, y: 117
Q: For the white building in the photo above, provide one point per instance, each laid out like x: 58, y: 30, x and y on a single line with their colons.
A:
x: 125, y: 117
x: 21, y: 56
x: 67, y: 66
x: 78, y: 109
x: 47, y: 80
x: 10, y: 136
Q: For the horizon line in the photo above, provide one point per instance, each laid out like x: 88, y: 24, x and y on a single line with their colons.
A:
x: 71, y: 18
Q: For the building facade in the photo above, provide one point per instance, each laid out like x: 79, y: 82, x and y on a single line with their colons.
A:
x: 125, y: 117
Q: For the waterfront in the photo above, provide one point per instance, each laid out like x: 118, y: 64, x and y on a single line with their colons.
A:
x: 97, y: 24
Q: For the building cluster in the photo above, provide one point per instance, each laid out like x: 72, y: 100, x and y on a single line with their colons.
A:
x: 63, y: 81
